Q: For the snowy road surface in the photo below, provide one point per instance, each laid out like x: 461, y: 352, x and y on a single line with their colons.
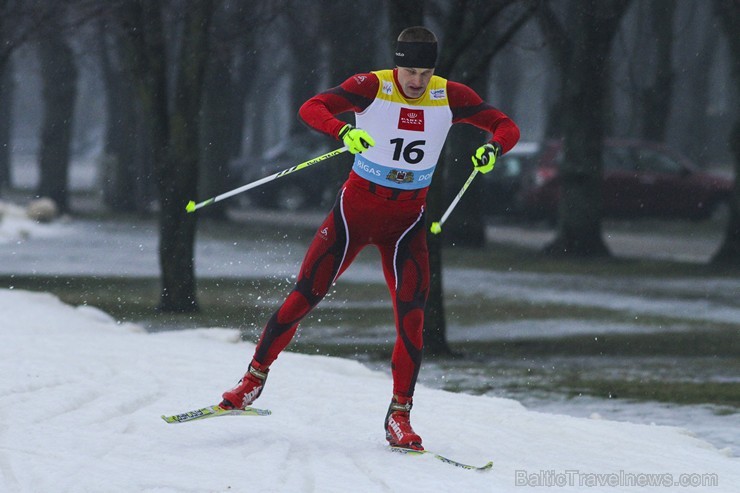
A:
x: 81, y: 396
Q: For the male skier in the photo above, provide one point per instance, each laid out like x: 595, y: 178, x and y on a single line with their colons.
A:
x: 402, y: 117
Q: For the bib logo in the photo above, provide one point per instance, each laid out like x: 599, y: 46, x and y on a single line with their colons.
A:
x: 411, y: 120
x: 437, y: 94
x: 387, y: 88
x: 399, y: 177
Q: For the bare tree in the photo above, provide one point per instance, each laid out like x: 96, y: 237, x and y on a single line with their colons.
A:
x: 644, y: 73
x: 21, y: 21
x: 59, y: 74
x: 729, y: 14
x: 486, y: 27
x: 473, y: 33
x: 175, y: 131
x: 403, y: 14
x: 656, y: 97
x: 340, y: 24
x: 124, y: 160
x: 6, y: 118
x: 588, y: 37
x: 229, y: 79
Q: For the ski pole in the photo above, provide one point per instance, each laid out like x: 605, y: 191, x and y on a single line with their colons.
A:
x: 436, y: 227
x: 192, y: 206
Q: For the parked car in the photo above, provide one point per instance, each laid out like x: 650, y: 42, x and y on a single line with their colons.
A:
x: 502, y: 187
x: 641, y: 179
x: 311, y: 188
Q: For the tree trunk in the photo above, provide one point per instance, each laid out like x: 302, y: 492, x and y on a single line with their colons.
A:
x: 695, y: 140
x: 585, y: 90
x: 178, y: 176
x: 220, y: 106
x: 6, y: 123
x: 466, y: 58
x: 403, y: 14
x: 174, y: 140
x: 59, y: 74
x: 342, y: 22
x: 656, y: 99
x: 229, y: 79
x: 121, y: 190
x: 557, y: 41
x: 468, y: 44
x: 729, y: 252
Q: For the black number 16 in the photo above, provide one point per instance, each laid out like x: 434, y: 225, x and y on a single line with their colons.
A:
x: 412, y: 153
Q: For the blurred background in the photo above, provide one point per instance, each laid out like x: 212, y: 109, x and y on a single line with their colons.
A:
x: 669, y: 81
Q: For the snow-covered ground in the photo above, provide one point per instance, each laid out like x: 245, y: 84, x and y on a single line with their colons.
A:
x: 84, y: 247
x: 81, y: 398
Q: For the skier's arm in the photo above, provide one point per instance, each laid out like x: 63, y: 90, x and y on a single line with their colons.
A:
x: 468, y: 107
x: 354, y: 94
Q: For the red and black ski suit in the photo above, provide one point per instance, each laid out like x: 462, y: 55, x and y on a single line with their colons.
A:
x: 368, y: 213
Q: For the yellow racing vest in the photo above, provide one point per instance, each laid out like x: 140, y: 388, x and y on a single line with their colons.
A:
x: 409, y: 134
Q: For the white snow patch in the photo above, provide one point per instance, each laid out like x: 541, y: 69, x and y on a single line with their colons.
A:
x: 81, y: 398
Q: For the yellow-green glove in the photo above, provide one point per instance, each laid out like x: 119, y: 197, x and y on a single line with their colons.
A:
x: 355, y: 139
x: 485, y: 156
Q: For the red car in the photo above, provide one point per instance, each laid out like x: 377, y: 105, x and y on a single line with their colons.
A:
x: 641, y: 179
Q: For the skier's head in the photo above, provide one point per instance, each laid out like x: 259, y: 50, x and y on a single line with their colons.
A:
x: 416, y: 57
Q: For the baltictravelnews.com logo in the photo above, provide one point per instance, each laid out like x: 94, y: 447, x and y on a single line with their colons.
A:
x: 622, y: 479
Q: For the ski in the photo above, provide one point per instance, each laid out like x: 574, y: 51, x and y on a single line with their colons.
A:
x: 213, y: 412
x: 444, y: 459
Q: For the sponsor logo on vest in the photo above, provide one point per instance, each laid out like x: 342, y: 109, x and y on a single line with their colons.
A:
x: 411, y: 120
x: 387, y: 87
x: 397, y: 176
x: 426, y: 177
x: 437, y: 94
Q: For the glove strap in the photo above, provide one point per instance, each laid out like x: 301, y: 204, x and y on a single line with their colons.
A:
x: 345, y: 129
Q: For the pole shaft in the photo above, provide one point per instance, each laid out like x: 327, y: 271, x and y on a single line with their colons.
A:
x: 267, y: 179
x: 458, y: 197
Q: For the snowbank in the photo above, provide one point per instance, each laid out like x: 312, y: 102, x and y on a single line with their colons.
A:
x: 81, y: 398
x: 15, y: 225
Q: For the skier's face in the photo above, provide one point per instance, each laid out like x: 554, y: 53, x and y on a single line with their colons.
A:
x: 414, y: 81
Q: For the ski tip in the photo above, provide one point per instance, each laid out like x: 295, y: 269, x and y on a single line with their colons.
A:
x: 191, y: 206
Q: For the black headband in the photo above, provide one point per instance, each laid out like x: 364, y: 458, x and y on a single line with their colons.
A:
x: 414, y: 54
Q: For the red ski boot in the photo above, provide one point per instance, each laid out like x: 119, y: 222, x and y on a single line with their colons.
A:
x: 248, y: 389
x: 398, y: 429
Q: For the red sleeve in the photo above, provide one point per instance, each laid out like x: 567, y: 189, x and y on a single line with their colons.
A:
x: 354, y: 94
x: 468, y: 107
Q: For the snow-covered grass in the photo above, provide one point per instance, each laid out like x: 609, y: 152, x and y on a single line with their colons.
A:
x: 81, y: 398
